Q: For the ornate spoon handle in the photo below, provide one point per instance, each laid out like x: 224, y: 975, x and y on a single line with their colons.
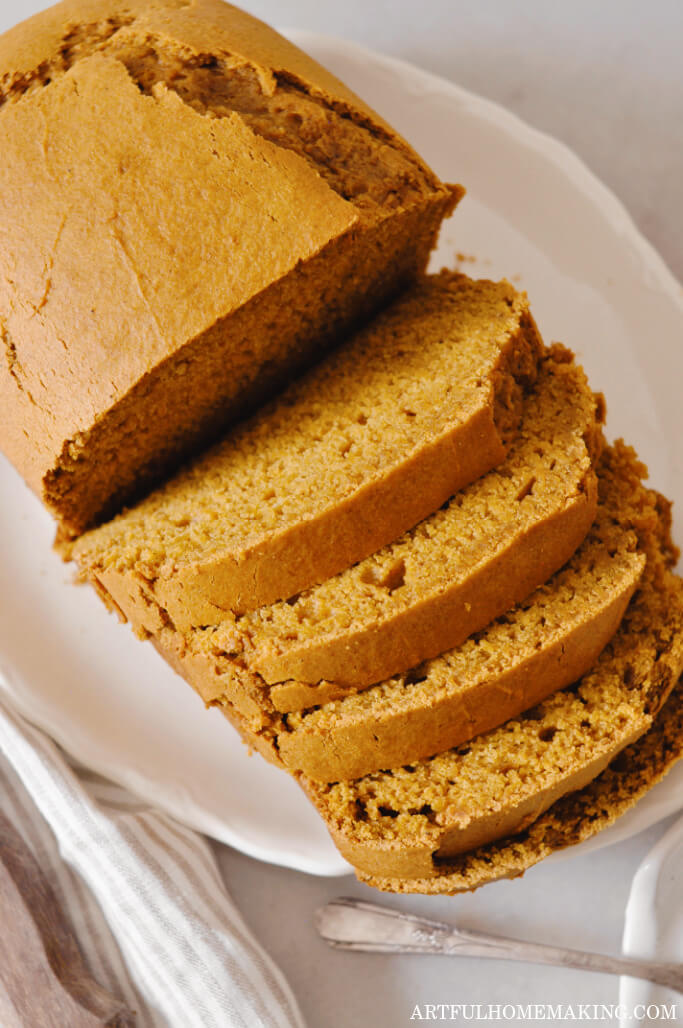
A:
x: 353, y: 924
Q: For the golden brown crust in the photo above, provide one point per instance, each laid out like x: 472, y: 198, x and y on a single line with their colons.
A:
x: 194, y: 347
x: 66, y: 321
x: 201, y: 26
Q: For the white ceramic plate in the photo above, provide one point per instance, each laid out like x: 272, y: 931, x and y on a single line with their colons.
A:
x: 533, y: 213
x: 653, y: 925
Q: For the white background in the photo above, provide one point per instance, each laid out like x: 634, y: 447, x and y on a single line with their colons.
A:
x: 605, y: 78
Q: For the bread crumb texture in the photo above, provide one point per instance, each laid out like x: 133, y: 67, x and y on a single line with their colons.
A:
x: 418, y: 404
x: 542, y: 644
x: 487, y: 548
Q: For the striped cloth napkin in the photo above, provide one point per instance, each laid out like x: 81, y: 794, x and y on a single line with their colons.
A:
x: 143, y: 895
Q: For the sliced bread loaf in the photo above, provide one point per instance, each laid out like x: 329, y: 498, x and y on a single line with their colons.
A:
x: 404, y: 823
x: 206, y: 206
x: 572, y: 819
x: 419, y: 404
x: 542, y: 645
x: 489, y: 548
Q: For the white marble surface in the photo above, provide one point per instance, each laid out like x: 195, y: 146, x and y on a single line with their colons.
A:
x: 604, y: 78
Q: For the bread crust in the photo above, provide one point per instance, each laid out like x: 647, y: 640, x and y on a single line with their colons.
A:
x: 200, y: 26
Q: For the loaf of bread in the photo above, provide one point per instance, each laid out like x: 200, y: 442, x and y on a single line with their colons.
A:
x: 208, y: 208
x: 420, y: 403
x: 396, y: 579
x: 406, y: 822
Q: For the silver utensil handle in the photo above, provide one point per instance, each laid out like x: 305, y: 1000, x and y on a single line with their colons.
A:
x: 670, y: 975
x: 356, y: 925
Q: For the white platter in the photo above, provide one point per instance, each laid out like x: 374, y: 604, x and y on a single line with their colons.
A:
x: 533, y: 213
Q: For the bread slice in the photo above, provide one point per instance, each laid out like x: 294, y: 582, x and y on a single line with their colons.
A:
x: 406, y: 822
x: 487, y: 549
x: 190, y: 208
x: 572, y: 819
x: 414, y: 407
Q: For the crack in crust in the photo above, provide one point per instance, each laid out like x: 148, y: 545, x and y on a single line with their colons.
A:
x: 10, y: 354
x: 275, y: 105
x: 77, y: 42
